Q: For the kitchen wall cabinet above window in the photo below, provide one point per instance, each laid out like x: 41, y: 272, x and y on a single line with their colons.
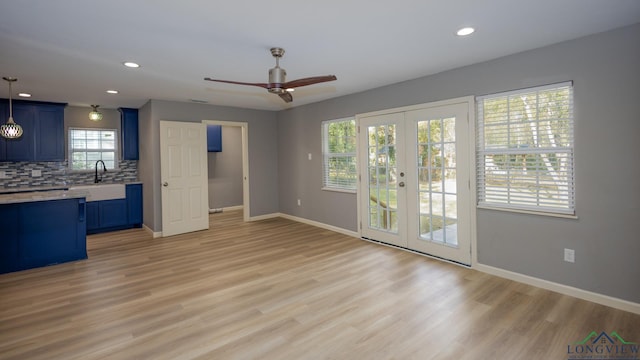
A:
x: 43, y: 126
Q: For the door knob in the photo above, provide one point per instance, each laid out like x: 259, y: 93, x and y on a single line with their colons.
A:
x: 165, y: 184
x: 401, y: 184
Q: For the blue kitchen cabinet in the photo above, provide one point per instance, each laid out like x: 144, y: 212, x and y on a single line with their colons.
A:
x: 49, y: 133
x: 214, y: 138
x: 113, y: 213
x: 9, y: 239
x: 134, y: 205
x: 22, y: 148
x: 129, y: 126
x: 106, y: 215
x: 43, y: 132
x: 118, y: 214
x: 4, y: 115
x: 93, y: 216
x: 42, y: 233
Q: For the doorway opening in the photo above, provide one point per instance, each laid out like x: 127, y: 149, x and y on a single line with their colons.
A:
x: 219, y: 182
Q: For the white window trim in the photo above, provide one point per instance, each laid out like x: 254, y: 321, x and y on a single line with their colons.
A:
x: 325, y: 155
x: 481, y: 151
x: 116, y: 161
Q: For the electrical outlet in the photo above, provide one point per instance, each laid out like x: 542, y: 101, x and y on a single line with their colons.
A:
x: 569, y: 255
x: 309, y: 155
x: 36, y: 173
x: 299, y: 203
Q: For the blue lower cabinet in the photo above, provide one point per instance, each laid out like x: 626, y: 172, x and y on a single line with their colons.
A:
x: 9, y: 240
x: 43, y: 233
x: 134, y: 205
x: 113, y: 213
x: 119, y: 214
x: 93, y: 216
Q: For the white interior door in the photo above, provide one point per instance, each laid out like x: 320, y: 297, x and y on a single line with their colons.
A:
x: 183, y: 167
x: 415, y: 179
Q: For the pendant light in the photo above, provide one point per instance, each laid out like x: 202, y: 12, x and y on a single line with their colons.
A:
x: 95, y: 115
x: 10, y: 130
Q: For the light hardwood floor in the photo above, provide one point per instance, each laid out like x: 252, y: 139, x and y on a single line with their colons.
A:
x: 277, y: 289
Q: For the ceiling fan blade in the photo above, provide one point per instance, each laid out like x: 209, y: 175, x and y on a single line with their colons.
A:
x: 308, y: 81
x: 286, y: 96
x: 262, y: 85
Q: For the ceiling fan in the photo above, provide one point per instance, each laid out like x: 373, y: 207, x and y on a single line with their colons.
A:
x: 277, y: 79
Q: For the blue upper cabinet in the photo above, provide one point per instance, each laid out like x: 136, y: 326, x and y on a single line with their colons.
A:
x: 214, y: 138
x: 22, y: 148
x: 43, y: 132
x: 129, y: 123
x: 49, y: 133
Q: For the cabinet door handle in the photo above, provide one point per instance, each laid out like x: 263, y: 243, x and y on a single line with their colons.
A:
x: 81, y: 210
x: 165, y: 184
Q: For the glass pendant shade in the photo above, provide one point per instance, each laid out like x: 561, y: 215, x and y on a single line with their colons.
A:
x: 10, y: 130
x: 95, y: 115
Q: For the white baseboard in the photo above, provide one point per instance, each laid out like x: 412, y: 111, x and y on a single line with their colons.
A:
x: 320, y: 225
x: 562, y: 289
x: 264, y: 217
x: 154, y: 234
x: 233, y: 208
x: 228, y: 208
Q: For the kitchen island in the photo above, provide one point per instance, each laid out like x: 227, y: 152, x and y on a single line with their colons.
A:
x: 41, y: 228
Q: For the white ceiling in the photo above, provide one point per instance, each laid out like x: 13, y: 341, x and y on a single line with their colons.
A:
x: 72, y: 50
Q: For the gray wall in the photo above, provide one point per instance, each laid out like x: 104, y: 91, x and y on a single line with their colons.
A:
x: 263, y: 152
x: 225, y: 170
x: 606, y: 76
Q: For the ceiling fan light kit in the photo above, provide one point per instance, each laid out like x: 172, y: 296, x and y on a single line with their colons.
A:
x: 277, y: 79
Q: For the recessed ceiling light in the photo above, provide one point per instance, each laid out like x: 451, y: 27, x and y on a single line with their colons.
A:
x: 27, y: 95
x: 131, y: 64
x: 112, y: 91
x: 465, y: 31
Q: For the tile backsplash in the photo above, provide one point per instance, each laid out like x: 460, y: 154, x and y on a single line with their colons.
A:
x: 20, y: 174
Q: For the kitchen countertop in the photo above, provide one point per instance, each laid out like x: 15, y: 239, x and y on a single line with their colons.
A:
x: 32, y: 196
x: 45, y: 193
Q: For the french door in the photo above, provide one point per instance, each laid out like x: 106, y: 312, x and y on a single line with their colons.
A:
x: 415, y: 168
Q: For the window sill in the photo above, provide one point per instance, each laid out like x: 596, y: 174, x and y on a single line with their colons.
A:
x: 338, y: 190
x: 529, y: 212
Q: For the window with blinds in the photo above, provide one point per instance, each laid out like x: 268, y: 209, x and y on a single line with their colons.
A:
x: 525, y: 150
x: 86, y: 146
x: 339, y: 155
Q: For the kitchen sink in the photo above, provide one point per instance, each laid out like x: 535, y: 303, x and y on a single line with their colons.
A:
x: 100, y: 192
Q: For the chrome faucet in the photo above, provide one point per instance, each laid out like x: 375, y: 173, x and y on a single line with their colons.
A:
x: 97, y: 179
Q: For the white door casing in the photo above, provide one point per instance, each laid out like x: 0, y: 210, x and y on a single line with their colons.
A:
x: 183, y: 169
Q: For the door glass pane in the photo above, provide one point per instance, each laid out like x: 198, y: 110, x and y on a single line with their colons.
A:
x: 437, y: 197
x: 383, y: 191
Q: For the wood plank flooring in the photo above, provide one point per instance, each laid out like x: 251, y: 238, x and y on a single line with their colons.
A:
x: 277, y: 289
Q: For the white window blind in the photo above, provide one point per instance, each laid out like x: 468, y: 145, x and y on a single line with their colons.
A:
x: 339, y: 154
x: 525, y: 149
x: 86, y: 146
